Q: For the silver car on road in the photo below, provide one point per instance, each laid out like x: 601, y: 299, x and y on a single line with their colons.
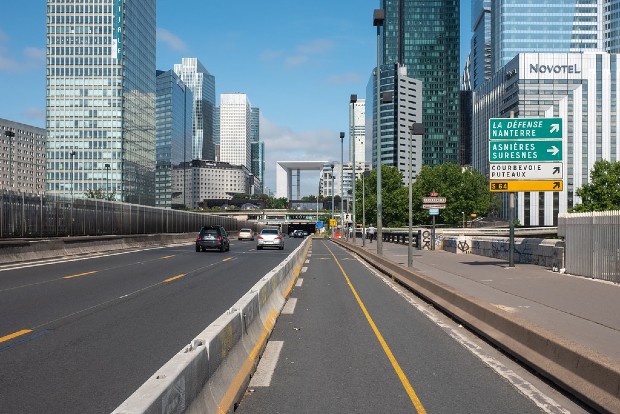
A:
x: 270, y: 238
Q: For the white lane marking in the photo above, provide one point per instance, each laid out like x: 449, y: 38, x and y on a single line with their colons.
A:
x: 267, y: 365
x: 304, y: 269
x: 289, y: 307
x: 309, y: 255
x: 307, y: 261
x: 542, y: 401
x: 299, y: 282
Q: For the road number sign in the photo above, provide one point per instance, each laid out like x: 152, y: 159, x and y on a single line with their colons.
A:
x: 434, y: 200
x: 516, y: 186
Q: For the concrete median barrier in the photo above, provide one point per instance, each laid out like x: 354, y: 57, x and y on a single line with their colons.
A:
x: 593, y: 378
x: 211, y: 373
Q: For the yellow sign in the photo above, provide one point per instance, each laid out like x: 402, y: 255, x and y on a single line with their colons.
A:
x: 516, y: 186
x: 332, y: 222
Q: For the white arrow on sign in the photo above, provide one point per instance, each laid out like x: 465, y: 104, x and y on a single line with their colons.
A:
x: 553, y: 150
x: 555, y: 127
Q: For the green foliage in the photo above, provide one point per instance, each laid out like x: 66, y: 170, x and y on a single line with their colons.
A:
x: 281, y: 202
x: 466, y: 192
x: 394, y: 198
x: 602, y: 193
x: 100, y: 194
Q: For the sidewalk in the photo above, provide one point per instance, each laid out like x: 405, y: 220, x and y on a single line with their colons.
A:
x: 584, y: 311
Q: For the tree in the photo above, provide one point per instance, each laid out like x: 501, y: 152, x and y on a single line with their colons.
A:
x: 394, y: 197
x: 602, y: 193
x: 100, y: 194
x: 466, y: 191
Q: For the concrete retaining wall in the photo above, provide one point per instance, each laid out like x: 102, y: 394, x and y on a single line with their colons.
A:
x: 594, y: 378
x: 22, y: 250
x: 211, y: 373
x: 542, y: 252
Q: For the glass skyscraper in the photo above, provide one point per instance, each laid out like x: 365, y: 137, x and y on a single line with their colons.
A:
x: 202, y: 84
x: 174, y: 132
x: 545, y: 26
x: 423, y: 35
x: 101, y: 98
x: 480, y: 54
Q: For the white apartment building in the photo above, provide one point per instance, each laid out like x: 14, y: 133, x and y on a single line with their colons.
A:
x: 357, y: 131
x: 235, y: 129
x: 22, y: 157
x: 210, y: 180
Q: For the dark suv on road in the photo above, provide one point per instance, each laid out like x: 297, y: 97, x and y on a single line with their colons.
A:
x: 212, y: 237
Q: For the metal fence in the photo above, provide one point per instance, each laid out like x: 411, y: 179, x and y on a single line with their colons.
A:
x: 592, y: 244
x: 31, y: 215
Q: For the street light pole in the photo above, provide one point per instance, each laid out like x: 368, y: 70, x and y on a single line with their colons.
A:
x: 417, y: 129
x: 463, y: 213
x: 353, y: 163
x: 107, y: 179
x: 332, y: 177
x: 341, y: 182
x: 378, y: 20
x: 72, y: 154
x: 364, y: 207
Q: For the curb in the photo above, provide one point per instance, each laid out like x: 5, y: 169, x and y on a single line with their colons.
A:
x: 593, y: 378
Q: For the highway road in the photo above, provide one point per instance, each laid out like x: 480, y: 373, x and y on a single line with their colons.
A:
x: 81, y: 335
x: 350, y: 341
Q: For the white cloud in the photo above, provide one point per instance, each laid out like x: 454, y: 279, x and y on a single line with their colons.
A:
x: 284, y: 144
x: 270, y: 54
x: 296, y: 60
x: 35, y: 113
x: 32, y: 57
x: 35, y: 56
x: 173, y: 41
x: 317, y: 46
x: 344, y: 79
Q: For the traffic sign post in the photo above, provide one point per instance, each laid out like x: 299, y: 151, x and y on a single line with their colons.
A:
x: 525, y: 154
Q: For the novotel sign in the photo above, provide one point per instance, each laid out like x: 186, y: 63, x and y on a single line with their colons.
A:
x: 538, y: 68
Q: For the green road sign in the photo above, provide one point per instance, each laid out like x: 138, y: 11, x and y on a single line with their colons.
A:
x: 525, y: 128
x: 517, y: 150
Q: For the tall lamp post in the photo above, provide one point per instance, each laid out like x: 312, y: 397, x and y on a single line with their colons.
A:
x: 341, y: 182
x: 364, y: 175
x: 107, y: 179
x: 332, y: 177
x: 353, y: 164
x: 10, y: 135
x: 463, y: 213
x: 72, y: 154
x: 415, y: 129
x: 378, y: 20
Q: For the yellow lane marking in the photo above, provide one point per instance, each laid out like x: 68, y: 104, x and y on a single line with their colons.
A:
x: 175, y: 277
x: 227, y: 259
x: 167, y: 257
x: 227, y: 401
x: 14, y: 335
x: 401, y: 375
x: 79, y: 274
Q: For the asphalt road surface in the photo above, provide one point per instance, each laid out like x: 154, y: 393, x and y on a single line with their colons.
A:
x: 349, y: 341
x: 80, y: 336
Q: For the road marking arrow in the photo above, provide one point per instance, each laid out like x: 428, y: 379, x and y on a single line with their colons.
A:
x: 553, y: 150
x: 555, y: 127
x: 556, y: 170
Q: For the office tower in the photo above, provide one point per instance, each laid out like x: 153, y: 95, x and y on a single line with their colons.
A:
x: 22, y: 157
x: 611, y: 15
x: 581, y: 89
x: 202, y: 85
x: 101, y: 98
x: 423, y: 36
x: 358, y: 130
x: 257, y: 147
x: 552, y: 26
x: 235, y: 129
x: 397, y: 116
x: 479, y: 59
x: 174, y: 132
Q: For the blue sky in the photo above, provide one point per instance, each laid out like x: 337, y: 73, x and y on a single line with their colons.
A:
x: 298, y: 61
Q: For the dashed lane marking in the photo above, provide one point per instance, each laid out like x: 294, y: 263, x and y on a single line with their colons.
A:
x: 79, y: 275
x: 299, y: 282
x: 267, y: 365
x: 289, y: 307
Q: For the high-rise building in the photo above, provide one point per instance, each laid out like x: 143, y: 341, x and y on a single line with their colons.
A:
x: 202, y: 85
x: 22, y: 157
x: 235, y: 129
x: 101, y: 98
x: 174, y: 132
x: 480, y: 53
x: 611, y: 14
x: 257, y: 147
x: 581, y: 89
x: 398, y: 147
x: 550, y: 26
x: 358, y: 131
x: 423, y: 36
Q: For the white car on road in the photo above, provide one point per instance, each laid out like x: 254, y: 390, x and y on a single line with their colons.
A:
x: 270, y: 238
